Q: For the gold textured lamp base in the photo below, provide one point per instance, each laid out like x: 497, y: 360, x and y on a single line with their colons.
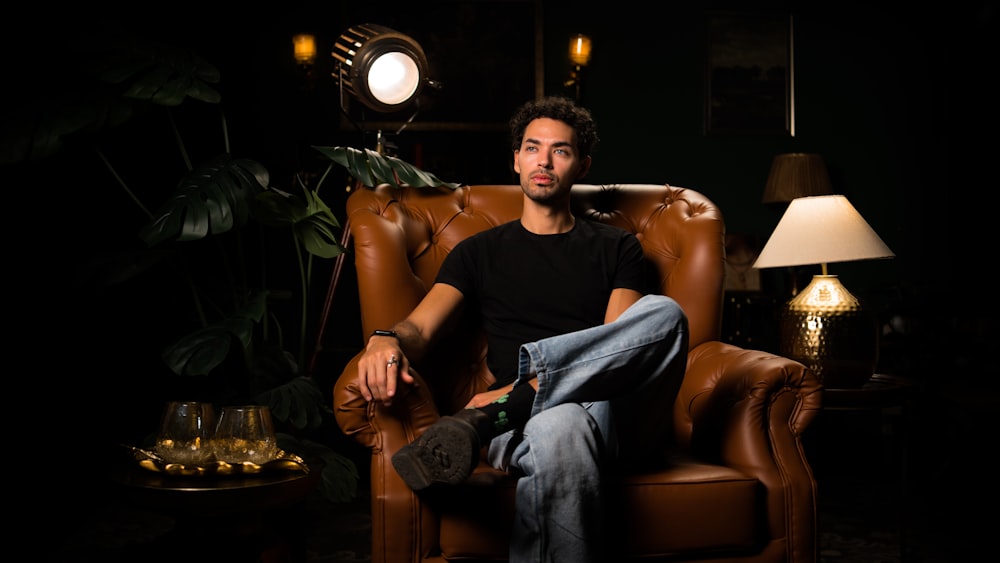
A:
x: 825, y: 328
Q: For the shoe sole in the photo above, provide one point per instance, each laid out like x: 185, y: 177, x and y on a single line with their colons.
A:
x: 446, y: 454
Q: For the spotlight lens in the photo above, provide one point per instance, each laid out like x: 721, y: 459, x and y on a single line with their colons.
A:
x: 393, y: 78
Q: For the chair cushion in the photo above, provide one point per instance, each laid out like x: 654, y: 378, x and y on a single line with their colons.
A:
x: 687, y: 507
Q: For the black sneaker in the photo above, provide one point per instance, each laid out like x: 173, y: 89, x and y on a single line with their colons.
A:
x: 446, y: 453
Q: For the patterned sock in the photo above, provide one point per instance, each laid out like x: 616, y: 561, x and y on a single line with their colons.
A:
x: 509, y: 411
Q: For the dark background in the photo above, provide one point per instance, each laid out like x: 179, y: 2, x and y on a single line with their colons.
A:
x: 898, y: 100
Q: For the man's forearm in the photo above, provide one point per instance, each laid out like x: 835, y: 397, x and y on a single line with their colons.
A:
x: 411, y: 340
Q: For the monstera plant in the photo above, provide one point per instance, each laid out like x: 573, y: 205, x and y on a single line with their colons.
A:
x: 216, y: 231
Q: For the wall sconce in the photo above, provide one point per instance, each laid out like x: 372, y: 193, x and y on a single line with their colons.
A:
x: 824, y: 326
x: 579, y: 56
x: 795, y: 175
x: 384, y: 69
x: 305, y: 49
x: 579, y: 50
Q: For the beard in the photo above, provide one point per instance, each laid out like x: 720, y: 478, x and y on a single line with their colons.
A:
x: 553, y: 192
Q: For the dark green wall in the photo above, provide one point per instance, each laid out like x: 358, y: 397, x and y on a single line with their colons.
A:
x: 877, y: 90
x: 864, y: 99
x: 871, y: 89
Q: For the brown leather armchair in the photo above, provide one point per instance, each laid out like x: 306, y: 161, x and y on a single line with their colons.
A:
x: 737, y: 488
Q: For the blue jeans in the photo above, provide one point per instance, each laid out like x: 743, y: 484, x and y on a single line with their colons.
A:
x: 605, y: 400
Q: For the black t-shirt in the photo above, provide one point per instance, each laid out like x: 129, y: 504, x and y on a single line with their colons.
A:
x: 527, y: 287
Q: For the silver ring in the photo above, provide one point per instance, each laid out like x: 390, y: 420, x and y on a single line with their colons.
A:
x: 392, y: 360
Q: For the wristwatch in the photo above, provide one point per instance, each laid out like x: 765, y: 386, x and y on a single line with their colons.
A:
x: 391, y: 333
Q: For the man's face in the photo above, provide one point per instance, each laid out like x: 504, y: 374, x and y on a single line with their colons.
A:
x: 547, y: 161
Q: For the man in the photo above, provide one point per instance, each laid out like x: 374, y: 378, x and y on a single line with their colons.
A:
x: 582, y: 357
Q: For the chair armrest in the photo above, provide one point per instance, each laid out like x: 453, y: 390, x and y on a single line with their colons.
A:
x: 385, y: 429
x: 396, y: 510
x: 725, y: 384
x: 747, y: 409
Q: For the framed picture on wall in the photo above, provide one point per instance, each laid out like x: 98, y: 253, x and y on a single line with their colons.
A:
x: 750, y: 76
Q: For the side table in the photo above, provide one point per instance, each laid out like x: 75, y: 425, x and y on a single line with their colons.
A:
x: 889, y: 398
x: 254, y: 518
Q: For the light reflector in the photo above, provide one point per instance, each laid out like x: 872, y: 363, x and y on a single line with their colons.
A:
x: 384, y: 69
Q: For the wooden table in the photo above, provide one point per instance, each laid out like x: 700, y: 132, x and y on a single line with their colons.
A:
x: 888, y: 399
x: 252, y: 518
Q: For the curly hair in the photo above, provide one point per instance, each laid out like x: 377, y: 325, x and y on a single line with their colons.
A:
x: 562, y: 109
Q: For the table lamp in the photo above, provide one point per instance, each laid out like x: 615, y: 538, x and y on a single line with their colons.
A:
x: 824, y: 326
x: 795, y: 175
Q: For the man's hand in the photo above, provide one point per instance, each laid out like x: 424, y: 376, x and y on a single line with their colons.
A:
x: 384, y: 366
x: 381, y: 369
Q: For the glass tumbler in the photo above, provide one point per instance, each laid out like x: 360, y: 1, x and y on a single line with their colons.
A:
x: 245, y: 434
x: 185, y: 433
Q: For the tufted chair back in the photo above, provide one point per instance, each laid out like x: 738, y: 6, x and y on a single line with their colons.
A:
x: 428, y: 223
x: 738, y: 488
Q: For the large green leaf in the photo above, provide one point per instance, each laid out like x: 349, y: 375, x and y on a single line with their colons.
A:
x: 203, y: 350
x: 209, y: 200
x: 340, y: 474
x: 110, y: 268
x: 371, y: 168
x: 340, y: 477
x: 105, y: 80
x: 299, y: 402
x: 310, y: 219
x: 161, y: 75
x: 36, y: 130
